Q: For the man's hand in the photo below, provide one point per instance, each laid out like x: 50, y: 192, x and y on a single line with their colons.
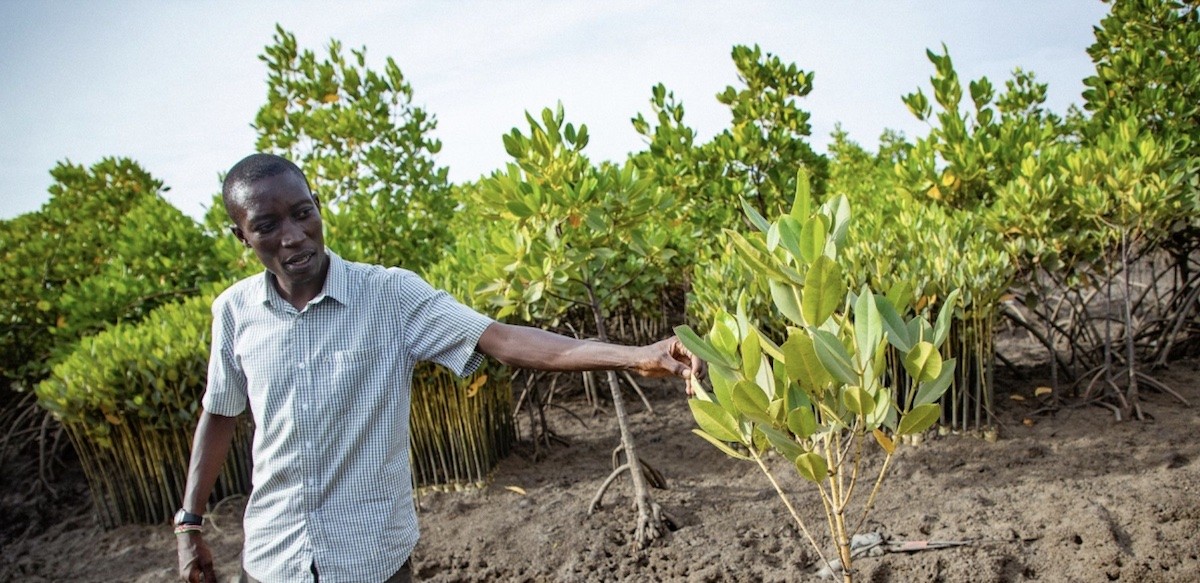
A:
x: 195, y: 560
x: 669, y: 358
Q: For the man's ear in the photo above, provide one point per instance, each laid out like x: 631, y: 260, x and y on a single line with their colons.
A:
x: 317, y: 202
x: 241, y: 235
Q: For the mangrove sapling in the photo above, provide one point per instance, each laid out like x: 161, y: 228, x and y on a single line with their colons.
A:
x: 821, y: 396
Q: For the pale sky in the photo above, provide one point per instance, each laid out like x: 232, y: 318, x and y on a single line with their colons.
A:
x: 175, y: 85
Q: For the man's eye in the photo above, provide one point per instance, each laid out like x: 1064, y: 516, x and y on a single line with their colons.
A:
x: 264, y: 228
x: 304, y: 214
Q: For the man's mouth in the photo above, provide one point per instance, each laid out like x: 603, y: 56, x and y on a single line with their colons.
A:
x: 300, y: 259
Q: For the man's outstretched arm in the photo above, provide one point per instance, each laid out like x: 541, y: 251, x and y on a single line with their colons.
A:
x: 525, y: 347
x: 214, y: 434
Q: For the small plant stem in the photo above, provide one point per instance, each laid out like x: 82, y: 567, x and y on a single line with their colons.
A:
x: 858, y: 441
x: 875, y: 490
x: 788, y: 503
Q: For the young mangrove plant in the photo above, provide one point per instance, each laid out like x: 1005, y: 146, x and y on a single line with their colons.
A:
x: 821, y: 397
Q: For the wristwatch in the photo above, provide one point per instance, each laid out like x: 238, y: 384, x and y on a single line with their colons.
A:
x: 184, y: 517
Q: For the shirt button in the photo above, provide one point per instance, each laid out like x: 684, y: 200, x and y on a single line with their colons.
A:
x: 301, y: 366
x: 309, y: 444
x: 304, y: 406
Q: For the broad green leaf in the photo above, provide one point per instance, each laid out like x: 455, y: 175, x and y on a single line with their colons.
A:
x: 787, y: 301
x: 813, y: 237
x: 803, y: 365
x: 748, y: 253
x: 700, y: 347
x: 777, y: 412
x: 794, y: 397
x: 715, y: 420
x: 833, y: 357
x: 756, y: 219
x: 883, y: 404
x: 923, y: 362
x: 802, y: 201
x: 931, y: 391
x: 900, y: 295
x: 751, y: 402
x: 803, y: 422
x: 519, y: 208
x: 812, y: 467
x: 724, y: 339
x: 824, y: 291
x: 723, y: 380
x: 751, y: 354
x: 729, y: 451
x: 942, y: 328
x: 858, y: 400
x: 868, y: 327
x: 897, y: 331
x: 789, y: 235
x: 783, y: 443
x: 919, y: 419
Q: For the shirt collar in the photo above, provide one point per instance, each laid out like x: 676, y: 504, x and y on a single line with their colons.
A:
x: 336, y: 285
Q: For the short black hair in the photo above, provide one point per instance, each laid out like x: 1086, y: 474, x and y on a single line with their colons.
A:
x: 255, y: 167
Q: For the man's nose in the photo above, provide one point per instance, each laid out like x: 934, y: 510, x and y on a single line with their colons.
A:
x: 293, y: 234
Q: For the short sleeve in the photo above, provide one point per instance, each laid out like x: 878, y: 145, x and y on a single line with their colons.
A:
x: 226, y: 391
x: 440, y: 329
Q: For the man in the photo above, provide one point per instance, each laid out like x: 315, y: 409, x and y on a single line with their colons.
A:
x: 322, y: 351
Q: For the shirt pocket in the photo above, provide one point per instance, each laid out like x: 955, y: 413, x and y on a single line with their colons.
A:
x: 352, y: 371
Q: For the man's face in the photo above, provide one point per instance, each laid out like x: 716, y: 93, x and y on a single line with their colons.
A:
x: 278, y: 217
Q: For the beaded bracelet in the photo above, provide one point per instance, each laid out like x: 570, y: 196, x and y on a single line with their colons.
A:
x: 186, y: 528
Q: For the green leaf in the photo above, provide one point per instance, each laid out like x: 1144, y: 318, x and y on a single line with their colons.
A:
x: 931, y: 391
x: 751, y: 353
x: 942, y: 328
x: 812, y: 467
x: 756, y: 219
x: 787, y: 300
x: 813, y: 237
x: 921, y: 417
x: 753, y: 256
x: 824, y: 291
x: 724, y: 339
x: 897, y: 331
x: 700, y: 347
x: 802, y: 422
x: 923, y: 362
x: 803, y: 365
x: 868, y: 326
x: 858, y: 400
x: 833, y: 357
x: 789, y: 235
x: 802, y: 201
x: 729, y: 451
x: 715, y: 421
x: 784, y: 444
x: 751, y: 402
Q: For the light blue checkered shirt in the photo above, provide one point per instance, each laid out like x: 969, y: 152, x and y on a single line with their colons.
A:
x: 329, y: 389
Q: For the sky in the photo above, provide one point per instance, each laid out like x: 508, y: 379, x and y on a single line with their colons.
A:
x: 175, y: 85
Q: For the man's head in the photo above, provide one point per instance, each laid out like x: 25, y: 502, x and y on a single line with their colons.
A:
x: 275, y: 213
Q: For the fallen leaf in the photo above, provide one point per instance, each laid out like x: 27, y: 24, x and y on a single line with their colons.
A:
x: 1041, y: 391
x: 516, y: 489
x: 1016, y: 397
x: 1028, y: 422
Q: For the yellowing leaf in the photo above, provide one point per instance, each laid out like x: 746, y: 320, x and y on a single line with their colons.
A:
x: 330, y: 98
x: 473, y: 389
x: 884, y: 441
